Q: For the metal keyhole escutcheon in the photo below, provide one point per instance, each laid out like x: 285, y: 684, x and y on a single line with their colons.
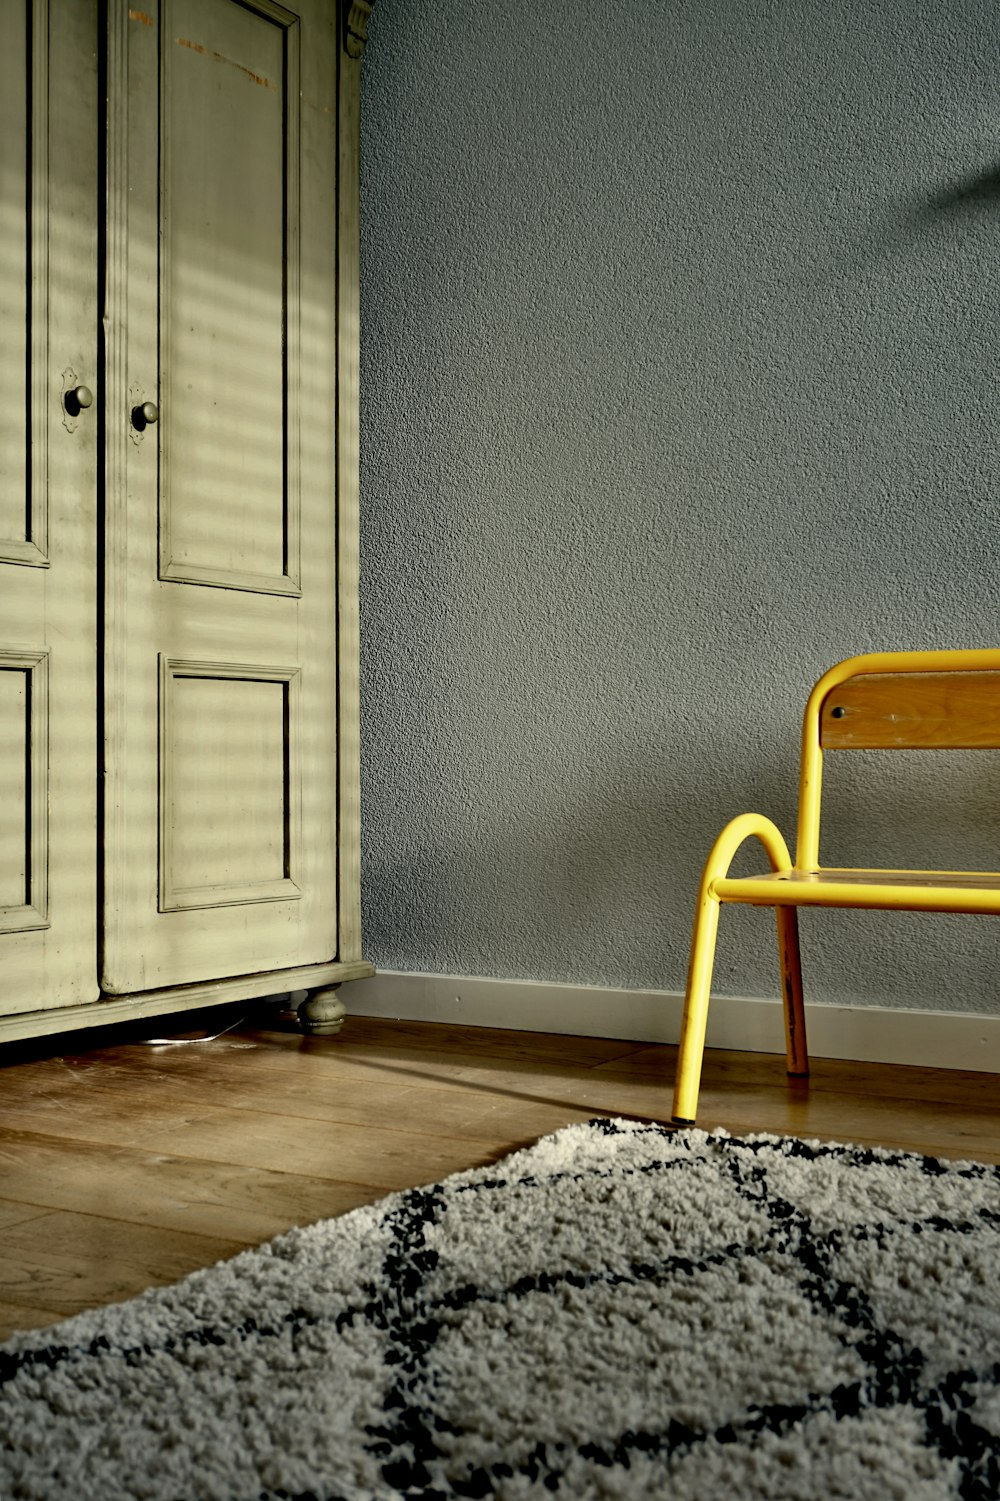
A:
x: 76, y: 398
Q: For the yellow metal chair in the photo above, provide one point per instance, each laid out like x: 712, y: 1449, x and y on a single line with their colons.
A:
x: 926, y: 700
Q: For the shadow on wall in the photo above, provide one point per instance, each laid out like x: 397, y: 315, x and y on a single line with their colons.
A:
x: 584, y: 878
x: 981, y: 190
x: 602, y: 890
x: 911, y: 227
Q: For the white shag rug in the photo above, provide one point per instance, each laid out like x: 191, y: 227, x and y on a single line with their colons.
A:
x: 618, y: 1311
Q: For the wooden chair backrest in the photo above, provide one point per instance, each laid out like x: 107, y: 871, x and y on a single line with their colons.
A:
x: 922, y: 700
x: 913, y: 711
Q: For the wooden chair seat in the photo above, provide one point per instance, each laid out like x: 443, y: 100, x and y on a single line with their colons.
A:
x: 932, y: 700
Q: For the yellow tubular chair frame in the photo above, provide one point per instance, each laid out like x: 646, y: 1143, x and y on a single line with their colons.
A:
x: 806, y: 883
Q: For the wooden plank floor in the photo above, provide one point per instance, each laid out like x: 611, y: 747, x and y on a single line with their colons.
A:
x: 124, y: 1166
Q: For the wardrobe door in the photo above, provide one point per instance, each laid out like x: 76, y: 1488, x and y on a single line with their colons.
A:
x: 221, y: 637
x: 48, y: 614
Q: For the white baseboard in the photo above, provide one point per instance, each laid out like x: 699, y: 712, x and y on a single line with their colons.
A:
x: 872, y: 1034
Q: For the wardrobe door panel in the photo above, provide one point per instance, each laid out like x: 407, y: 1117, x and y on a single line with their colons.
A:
x: 48, y: 610
x: 229, y: 796
x: 221, y: 677
x: 228, y: 283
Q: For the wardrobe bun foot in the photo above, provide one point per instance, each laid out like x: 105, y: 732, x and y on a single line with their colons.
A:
x: 322, y: 1012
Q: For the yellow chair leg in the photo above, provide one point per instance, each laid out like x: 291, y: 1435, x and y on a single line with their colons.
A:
x: 796, y: 1047
x: 699, y: 985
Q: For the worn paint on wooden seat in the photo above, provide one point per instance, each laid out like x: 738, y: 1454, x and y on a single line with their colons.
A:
x: 884, y: 701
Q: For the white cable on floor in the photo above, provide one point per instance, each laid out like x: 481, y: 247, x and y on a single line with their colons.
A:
x: 178, y: 1042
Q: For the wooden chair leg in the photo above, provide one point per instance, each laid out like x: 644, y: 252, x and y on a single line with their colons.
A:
x: 796, y: 1048
x: 699, y: 984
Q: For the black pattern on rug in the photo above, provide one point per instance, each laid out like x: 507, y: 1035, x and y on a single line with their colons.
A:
x: 406, y: 1443
x: 617, y: 1311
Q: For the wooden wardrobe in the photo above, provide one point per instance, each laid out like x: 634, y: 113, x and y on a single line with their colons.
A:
x: 179, y: 818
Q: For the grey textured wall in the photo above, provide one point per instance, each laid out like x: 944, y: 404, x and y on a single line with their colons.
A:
x: 679, y: 384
